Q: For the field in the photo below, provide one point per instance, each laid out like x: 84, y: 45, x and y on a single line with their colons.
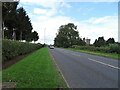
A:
x: 37, y: 70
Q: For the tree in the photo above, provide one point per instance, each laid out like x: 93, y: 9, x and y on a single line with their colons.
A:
x: 29, y: 37
x: 110, y: 41
x: 35, y: 36
x: 17, y: 22
x: 9, y: 18
x: 32, y: 37
x: 24, y: 24
x: 95, y: 43
x: 68, y: 36
x: 100, y: 42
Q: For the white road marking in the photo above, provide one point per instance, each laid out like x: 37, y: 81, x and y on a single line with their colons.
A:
x: 75, y: 54
x: 104, y: 63
x: 97, y: 61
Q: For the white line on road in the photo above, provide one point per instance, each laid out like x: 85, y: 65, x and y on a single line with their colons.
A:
x: 96, y: 61
x: 75, y: 54
x: 104, y: 63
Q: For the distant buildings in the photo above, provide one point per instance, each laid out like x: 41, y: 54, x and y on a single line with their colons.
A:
x: 87, y: 41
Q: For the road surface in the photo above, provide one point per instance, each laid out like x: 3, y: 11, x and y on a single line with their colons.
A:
x: 82, y: 70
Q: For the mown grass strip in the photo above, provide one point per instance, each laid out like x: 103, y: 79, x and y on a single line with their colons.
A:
x: 35, y: 71
x: 109, y: 55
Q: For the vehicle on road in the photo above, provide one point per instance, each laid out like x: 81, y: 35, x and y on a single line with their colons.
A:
x: 51, y: 47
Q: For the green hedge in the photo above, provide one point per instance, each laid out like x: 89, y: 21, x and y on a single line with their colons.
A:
x: 11, y: 49
x: 112, y: 48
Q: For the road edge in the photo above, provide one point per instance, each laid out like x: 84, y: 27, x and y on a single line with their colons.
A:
x: 59, y: 69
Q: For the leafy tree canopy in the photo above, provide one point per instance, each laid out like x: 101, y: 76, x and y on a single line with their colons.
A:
x: 68, y: 36
x: 110, y: 41
x: 99, y: 42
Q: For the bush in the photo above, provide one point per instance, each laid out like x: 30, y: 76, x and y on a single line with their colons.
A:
x: 11, y: 49
x: 114, y: 48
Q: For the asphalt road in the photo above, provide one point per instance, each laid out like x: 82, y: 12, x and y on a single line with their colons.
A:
x: 82, y: 70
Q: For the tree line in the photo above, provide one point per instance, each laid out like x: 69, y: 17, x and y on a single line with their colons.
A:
x: 68, y: 36
x: 102, y: 42
x: 16, y: 23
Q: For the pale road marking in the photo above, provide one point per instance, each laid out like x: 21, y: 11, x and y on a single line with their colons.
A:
x: 75, y: 54
x: 59, y: 70
x: 98, y: 62
x: 104, y: 63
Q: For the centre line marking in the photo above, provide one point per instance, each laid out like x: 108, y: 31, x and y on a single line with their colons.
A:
x: 104, y: 63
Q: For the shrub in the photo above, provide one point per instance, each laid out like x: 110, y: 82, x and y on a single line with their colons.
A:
x: 114, y: 48
x: 103, y: 49
x: 92, y: 48
x: 11, y: 49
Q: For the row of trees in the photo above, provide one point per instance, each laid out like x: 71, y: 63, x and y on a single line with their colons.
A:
x: 68, y: 36
x: 101, y: 42
x: 16, y: 23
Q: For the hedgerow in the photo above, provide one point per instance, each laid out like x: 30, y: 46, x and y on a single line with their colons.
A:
x: 112, y: 48
x: 11, y: 49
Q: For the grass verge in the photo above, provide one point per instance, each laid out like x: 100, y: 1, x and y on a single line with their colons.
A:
x: 35, y: 71
x: 109, y: 55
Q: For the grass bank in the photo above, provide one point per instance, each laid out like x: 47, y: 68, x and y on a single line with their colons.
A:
x: 35, y: 71
x: 109, y: 55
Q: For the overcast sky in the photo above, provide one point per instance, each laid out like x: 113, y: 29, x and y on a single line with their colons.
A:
x: 93, y: 19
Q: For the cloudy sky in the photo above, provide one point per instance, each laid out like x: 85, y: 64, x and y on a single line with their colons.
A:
x: 93, y: 19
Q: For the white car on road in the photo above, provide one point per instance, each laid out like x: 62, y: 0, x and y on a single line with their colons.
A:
x: 51, y: 47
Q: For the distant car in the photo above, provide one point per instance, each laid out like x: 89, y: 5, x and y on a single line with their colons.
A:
x: 51, y: 47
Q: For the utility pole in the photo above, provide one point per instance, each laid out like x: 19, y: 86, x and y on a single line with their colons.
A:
x: 44, y: 35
